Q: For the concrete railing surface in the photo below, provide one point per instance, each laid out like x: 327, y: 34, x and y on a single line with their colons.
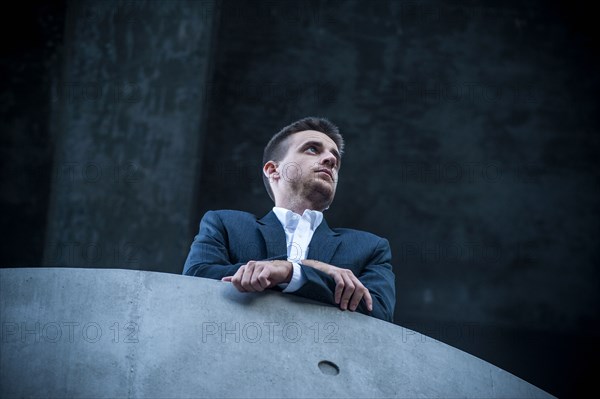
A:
x: 110, y: 333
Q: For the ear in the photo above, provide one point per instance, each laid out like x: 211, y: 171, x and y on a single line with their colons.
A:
x: 270, y: 170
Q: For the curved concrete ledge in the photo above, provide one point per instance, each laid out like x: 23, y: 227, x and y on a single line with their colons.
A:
x: 123, y: 333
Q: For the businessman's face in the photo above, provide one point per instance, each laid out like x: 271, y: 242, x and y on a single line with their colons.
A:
x: 310, y: 167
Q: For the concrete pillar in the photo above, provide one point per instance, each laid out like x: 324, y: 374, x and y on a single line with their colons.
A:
x: 128, y: 122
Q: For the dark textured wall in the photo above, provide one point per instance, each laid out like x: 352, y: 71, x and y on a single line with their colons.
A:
x: 128, y: 120
x: 471, y: 139
x: 462, y: 145
x: 471, y: 132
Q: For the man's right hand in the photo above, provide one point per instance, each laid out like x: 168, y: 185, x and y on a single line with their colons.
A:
x: 257, y: 276
x: 349, y: 291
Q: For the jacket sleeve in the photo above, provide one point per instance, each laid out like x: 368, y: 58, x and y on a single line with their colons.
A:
x: 209, y: 254
x: 377, y: 276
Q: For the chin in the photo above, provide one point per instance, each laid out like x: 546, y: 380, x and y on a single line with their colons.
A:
x: 321, y: 198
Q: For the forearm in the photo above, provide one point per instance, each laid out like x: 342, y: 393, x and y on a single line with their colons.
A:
x: 316, y: 264
x: 213, y: 271
x: 324, y: 284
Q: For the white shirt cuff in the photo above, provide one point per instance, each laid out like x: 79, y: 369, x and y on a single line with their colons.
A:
x: 297, y: 280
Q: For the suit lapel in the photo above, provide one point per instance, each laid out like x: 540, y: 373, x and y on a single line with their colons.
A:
x: 323, y: 243
x: 274, y: 236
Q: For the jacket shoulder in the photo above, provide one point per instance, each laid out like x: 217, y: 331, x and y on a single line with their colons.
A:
x: 231, y: 215
x: 357, y: 234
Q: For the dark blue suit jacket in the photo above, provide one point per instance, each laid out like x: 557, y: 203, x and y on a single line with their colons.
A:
x: 229, y: 239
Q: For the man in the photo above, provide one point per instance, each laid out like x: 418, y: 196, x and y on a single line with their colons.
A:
x: 292, y: 248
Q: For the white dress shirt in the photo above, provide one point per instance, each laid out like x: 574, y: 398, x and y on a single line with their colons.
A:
x: 298, y: 233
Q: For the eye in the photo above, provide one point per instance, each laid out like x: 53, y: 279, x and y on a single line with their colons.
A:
x: 312, y: 149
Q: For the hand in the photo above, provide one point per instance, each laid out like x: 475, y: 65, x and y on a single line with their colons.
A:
x: 349, y: 291
x: 257, y: 276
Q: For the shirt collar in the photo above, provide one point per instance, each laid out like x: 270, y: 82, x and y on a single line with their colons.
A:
x: 289, y: 219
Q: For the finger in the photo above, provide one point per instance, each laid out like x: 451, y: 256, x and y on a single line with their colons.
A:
x: 236, y: 279
x: 263, y: 278
x: 368, y: 300
x: 339, y: 288
x: 245, y: 280
x: 348, y: 291
x: 358, y: 294
x: 227, y: 278
x: 254, y: 279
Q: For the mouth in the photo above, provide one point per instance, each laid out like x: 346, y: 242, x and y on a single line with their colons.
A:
x: 327, y: 172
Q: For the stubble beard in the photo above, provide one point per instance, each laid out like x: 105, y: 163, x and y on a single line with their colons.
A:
x: 317, y: 191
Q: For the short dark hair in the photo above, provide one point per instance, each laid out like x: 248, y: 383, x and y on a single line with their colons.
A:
x: 277, y: 147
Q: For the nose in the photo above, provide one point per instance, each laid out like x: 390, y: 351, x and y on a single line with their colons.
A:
x: 329, y: 159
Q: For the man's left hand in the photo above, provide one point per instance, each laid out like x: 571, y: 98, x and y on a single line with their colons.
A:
x: 349, y: 290
x: 257, y: 276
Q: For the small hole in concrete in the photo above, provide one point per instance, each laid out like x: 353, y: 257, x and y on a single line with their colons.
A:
x: 328, y: 367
